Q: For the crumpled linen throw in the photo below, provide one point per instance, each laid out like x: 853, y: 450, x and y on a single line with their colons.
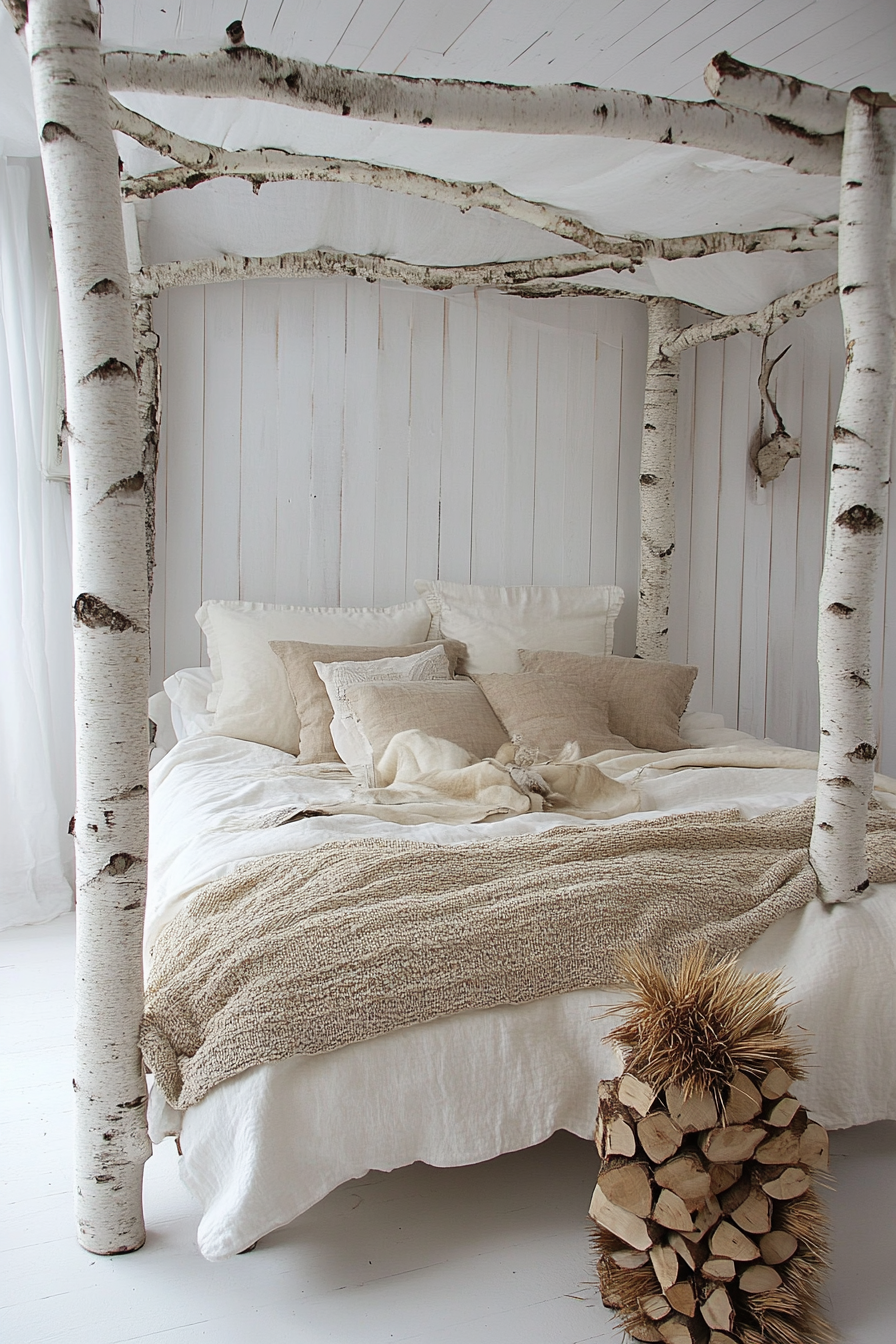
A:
x: 307, y: 952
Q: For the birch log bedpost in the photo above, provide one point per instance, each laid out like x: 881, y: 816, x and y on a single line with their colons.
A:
x: 80, y: 162
x: 657, y: 480
x: 860, y: 469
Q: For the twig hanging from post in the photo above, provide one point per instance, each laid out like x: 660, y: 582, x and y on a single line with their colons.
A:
x: 777, y: 450
x: 111, y: 618
x: 857, y: 503
x: 657, y: 482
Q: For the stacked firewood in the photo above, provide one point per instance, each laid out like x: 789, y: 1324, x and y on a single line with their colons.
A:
x: 708, y: 1228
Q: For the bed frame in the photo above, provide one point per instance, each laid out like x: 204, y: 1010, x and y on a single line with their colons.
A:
x: 112, y: 401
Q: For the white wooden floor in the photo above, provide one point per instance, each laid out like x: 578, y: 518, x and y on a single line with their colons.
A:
x: 479, y: 1255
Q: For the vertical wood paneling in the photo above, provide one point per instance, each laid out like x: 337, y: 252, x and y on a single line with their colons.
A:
x: 519, y: 484
x: 358, y: 532
x: 425, y: 438
x: 633, y: 321
x: 221, y: 449
x: 456, y: 472
x: 158, y: 666
x: 330, y: 441
x: 261, y: 440
x: 490, y: 439
x: 327, y: 401
x: 734, y: 470
x: 548, y: 538
x: 785, y: 498
x: 185, y: 371
x: 295, y: 369
x: 393, y: 411
x: 705, y: 483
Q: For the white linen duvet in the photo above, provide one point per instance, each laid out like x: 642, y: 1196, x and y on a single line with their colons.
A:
x: 265, y: 1146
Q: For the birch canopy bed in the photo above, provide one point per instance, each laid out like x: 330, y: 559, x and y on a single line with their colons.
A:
x: 82, y: 97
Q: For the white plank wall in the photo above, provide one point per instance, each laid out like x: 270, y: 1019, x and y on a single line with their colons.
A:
x: 329, y: 441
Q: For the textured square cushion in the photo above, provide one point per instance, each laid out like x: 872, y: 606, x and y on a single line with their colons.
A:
x: 250, y: 694
x: 495, y: 623
x: 456, y: 711
x: 546, y: 712
x: 645, y: 700
x: 310, y: 703
x: 429, y: 665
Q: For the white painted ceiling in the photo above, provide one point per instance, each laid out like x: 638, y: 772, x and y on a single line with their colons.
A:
x: 655, y: 46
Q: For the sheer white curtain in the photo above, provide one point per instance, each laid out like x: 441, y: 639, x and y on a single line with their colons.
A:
x: 36, y: 720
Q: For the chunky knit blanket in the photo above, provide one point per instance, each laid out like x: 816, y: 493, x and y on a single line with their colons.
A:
x: 311, y: 951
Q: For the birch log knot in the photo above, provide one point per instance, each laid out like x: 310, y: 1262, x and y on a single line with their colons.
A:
x: 860, y: 518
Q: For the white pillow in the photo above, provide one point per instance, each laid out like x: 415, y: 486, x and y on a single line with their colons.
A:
x: 188, y: 691
x: 495, y: 622
x: 251, y: 698
x: 348, y: 737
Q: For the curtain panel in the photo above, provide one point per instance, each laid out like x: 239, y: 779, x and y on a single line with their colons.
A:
x: 36, y: 678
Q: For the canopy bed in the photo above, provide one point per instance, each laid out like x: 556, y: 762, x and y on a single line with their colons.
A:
x: 111, y: 371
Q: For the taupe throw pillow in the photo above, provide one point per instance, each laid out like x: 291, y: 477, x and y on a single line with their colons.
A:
x: 310, y: 694
x: 645, y: 700
x: 454, y: 710
x: 549, y: 711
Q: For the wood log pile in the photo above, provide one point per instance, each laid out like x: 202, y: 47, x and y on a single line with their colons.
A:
x: 708, y: 1228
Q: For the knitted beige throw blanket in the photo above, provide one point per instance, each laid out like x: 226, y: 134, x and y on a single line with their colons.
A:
x: 307, y: 952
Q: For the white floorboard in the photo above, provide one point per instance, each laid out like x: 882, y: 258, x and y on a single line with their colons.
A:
x: 478, y: 1255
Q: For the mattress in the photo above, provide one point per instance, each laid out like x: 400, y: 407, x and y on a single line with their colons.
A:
x: 265, y: 1146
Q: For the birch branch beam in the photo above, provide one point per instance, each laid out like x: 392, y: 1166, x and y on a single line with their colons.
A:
x: 561, y: 109
x: 760, y: 323
x: 199, y: 162
x: 857, y: 504
x: 153, y: 279
x: 816, y: 109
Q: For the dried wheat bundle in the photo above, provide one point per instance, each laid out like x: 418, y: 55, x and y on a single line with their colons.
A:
x: 708, y: 1230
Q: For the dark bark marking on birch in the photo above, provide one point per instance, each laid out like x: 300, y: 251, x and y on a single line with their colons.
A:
x: 110, y: 368
x: 825, y: 826
x: 136, y: 792
x: 104, y: 287
x: 863, y: 886
x: 840, y: 609
x: 54, y: 130
x: 131, y: 1105
x: 844, y: 435
x: 647, y: 478
x: 96, y: 614
x: 842, y: 781
x: 128, y: 485
x: 863, y: 752
x: 860, y: 518
x: 118, y: 865
x: 236, y: 32
x: 858, y: 680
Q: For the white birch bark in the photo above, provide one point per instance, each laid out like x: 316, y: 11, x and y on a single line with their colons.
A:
x: 813, y: 107
x: 111, y: 627
x: 319, y: 261
x: 558, y: 109
x: 146, y: 343
x: 657, y: 483
x: 761, y: 323
x: 857, y: 503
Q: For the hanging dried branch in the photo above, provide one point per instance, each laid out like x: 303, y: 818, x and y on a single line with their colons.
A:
x: 761, y: 323
x: 812, y: 107
x: 201, y: 162
x: 152, y: 279
x: 778, y: 449
x: 563, y: 109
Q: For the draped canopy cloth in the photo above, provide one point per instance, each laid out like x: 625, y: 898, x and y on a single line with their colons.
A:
x: 305, y: 953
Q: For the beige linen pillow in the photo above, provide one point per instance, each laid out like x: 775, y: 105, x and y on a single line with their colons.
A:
x: 351, y: 745
x: 309, y: 698
x: 548, y: 711
x: 646, y: 700
x: 250, y: 695
x: 454, y: 710
x: 495, y: 623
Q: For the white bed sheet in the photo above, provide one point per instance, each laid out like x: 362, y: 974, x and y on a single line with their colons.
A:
x: 265, y: 1146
